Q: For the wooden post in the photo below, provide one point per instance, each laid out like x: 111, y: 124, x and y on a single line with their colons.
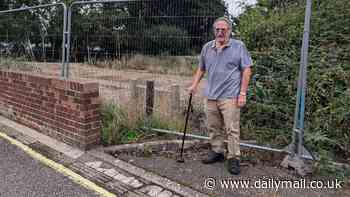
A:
x: 149, y: 98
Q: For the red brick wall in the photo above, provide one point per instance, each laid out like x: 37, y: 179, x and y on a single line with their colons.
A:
x: 63, y: 109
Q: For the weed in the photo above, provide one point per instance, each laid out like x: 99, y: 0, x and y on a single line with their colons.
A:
x: 119, y: 126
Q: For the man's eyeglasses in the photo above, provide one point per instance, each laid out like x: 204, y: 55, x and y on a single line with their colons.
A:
x: 220, y: 29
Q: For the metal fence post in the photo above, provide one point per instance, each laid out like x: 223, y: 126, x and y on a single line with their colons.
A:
x: 68, y: 34
x: 296, y: 148
x: 64, y: 44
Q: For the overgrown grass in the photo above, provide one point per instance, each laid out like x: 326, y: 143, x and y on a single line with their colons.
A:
x: 117, y: 127
x: 159, y: 122
x: 164, y: 64
x: 18, y: 64
x: 120, y: 126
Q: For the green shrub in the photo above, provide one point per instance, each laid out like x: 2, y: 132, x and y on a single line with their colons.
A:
x: 116, y: 127
x: 273, y: 34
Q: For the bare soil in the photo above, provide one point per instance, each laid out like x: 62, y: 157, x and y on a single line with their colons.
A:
x: 115, y: 83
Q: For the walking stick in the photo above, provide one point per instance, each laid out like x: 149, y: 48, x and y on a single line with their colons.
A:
x: 181, y: 159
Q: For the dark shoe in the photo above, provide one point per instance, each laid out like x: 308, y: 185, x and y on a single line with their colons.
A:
x: 233, y: 166
x: 213, y: 157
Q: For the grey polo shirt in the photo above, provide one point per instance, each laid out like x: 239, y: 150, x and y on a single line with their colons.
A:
x: 224, y: 68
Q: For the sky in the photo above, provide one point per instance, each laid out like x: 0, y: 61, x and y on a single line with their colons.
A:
x: 234, y: 8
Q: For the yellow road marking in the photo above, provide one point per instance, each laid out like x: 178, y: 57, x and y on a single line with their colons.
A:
x: 59, y: 167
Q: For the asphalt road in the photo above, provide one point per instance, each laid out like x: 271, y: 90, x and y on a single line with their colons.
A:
x: 21, y: 175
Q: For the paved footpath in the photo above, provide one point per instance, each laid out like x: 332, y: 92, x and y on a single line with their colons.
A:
x: 117, y: 177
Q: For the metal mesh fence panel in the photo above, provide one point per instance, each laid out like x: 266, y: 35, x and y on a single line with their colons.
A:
x: 31, y: 39
x: 125, y: 44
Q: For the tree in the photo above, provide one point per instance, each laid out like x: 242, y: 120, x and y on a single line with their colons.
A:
x: 164, y: 26
x: 33, y: 33
x: 149, y: 27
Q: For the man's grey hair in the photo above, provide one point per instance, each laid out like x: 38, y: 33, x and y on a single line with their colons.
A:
x: 225, y: 19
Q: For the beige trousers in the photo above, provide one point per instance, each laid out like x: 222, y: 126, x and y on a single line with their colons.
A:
x: 223, y: 117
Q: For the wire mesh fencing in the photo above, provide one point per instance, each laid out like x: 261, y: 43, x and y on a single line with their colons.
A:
x: 31, y: 39
x: 138, y: 49
x: 123, y: 45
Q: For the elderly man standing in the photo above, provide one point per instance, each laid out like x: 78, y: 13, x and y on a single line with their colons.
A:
x: 228, y: 65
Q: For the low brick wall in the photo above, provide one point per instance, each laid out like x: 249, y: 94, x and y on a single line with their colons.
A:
x: 63, y: 109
